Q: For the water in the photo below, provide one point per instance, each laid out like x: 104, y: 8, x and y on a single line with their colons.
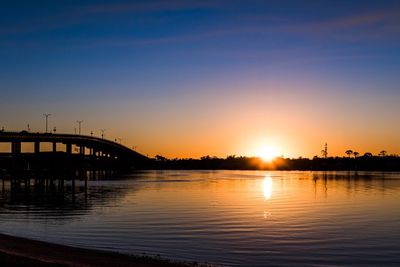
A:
x: 230, y: 218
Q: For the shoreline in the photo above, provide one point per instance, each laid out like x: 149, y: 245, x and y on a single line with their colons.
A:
x: 17, y: 251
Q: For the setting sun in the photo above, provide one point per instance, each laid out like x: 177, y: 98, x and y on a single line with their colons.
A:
x: 267, y: 153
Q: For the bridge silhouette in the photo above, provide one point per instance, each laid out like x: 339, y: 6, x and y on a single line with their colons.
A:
x: 92, y: 152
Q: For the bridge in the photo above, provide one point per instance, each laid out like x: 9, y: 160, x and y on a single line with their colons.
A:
x: 89, y: 152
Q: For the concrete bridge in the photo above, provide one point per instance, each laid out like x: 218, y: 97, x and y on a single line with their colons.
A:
x: 86, y: 148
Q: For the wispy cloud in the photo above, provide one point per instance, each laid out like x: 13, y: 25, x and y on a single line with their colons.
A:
x: 75, y: 15
x: 358, y: 27
x: 369, y: 26
x: 378, y: 24
x: 150, y: 6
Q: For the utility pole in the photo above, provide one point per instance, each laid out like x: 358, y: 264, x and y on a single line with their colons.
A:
x: 47, y: 115
x: 102, y: 132
x: 79, y: 126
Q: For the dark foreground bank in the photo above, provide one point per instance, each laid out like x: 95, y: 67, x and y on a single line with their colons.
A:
x: 15, y: 251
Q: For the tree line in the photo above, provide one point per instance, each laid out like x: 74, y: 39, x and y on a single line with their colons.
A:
x: 352, y: 161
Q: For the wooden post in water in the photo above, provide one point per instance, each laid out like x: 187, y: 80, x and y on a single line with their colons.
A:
x: 73, y: 189
x: 27, y: 183
x: 86, y: 186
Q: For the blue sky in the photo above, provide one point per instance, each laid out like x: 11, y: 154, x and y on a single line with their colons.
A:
x: 158, y: 72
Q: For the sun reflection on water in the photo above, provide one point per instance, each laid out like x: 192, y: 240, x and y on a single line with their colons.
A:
x: 267, y: 187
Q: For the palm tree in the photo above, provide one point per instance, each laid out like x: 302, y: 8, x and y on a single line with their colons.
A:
x: 355, y: 153
x: 349, y: 152
x: 383, y: 153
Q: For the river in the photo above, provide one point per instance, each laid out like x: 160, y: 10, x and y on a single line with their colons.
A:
x: 228, y: 218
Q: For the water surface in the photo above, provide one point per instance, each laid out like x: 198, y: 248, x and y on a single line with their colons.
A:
x: 231, y: 218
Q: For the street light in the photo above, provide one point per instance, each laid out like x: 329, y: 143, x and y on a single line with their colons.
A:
x: 79, y: 126
x: 102, y: 132
x: 47, y: 115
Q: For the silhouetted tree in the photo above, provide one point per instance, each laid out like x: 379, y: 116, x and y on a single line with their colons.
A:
x: 368, y: 155
x: 160, y: 158
x: 383, y: 153
x: 356, y: 154
x: 349, y: 152
x: 325, y: 151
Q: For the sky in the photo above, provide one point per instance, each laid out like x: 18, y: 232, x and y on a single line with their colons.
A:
x: 193, y: 78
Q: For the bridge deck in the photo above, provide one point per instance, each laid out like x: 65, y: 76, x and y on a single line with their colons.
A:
x: 90, y: 142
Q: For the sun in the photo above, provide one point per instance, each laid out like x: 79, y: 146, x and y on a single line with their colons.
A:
x: 268, y: 153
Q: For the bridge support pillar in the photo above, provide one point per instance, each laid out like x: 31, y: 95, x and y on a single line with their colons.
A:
x: 16, y: 148
x: 54, y: 147
x: 82, y: 150
x: 37, y: 147
x: 68, y: 148
x: 93, y: 152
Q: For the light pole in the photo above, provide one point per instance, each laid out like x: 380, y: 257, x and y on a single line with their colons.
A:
x: 79, y: 126
x: 47, y: 115
x: 102, y: 132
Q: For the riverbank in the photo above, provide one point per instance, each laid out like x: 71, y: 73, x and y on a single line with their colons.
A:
x: 16, y: 251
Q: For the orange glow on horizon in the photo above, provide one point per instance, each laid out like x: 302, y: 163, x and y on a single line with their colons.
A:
x: 267, y: 153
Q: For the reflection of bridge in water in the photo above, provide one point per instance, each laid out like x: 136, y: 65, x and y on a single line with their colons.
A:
x: 55, y: 196
x: 89, y: 153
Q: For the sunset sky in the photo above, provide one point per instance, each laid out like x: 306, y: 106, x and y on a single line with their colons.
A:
x: 194, y: 78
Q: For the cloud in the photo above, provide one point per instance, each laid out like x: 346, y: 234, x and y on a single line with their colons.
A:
x: 149, y: 6
x: 358, y: 27
x: 371, y: 26
x: 368, y: 26
x: 75, y: 15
